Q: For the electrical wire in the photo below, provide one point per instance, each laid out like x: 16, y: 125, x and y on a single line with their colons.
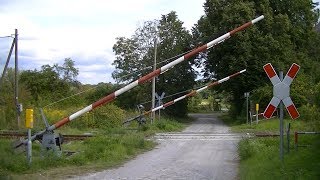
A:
x: 148, y: 67
x: 69, y: 97
x: 166, y: 60
x: 175, y: 94
x: 6, y: 36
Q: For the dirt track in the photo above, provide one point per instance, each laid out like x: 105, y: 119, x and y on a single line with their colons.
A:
x: 204, y: 150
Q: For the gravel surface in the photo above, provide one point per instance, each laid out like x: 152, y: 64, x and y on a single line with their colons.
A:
x: 204, y: 150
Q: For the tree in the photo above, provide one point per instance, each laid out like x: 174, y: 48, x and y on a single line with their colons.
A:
x: 134, y: 57
x: 286, y: 35
x: 67, y: 71
x: 50, y: 82
x: 7, y: 99
x: 132, y: 54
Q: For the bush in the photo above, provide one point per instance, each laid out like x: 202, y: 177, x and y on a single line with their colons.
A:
x: 310, y: 114
x: 107, y: 116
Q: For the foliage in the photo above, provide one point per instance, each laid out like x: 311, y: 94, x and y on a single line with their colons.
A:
x: 7, y: 100
x: 51, y: 82
x: 310, y: 114
x: 67, y: 71
x: 107, y: 116
x: 101, y: 151
x: 134, y: 55
x: 286, y: 35
x: 259, y: 159
x: 109, y: 147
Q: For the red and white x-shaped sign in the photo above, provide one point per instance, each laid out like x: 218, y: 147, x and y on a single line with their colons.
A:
x: 281, y: 90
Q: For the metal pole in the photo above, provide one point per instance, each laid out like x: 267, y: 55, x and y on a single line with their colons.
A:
x: 281, y: 122
x: 154, y: 80
x: 16, y: 77
x: 247, y: 96
x: 7, y: 62
x: 288, y: 137
x: 29, y: 146
x: 257, y: 113
x: 159, y: 105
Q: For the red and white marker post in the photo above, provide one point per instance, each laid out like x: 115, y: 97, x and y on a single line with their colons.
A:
x: 281, y: 93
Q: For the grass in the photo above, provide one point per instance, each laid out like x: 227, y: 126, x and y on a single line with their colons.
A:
x: 101, y: 151
x: 268, y: 126
x: 109, y: 148
x: 260, y: 157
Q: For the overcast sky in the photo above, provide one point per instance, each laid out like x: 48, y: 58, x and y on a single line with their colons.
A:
x: 84, y: 30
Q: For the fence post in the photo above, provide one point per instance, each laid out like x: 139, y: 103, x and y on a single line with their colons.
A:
x: 296, y: 140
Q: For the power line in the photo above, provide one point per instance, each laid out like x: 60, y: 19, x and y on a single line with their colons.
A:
x: 6, y: 36
x: 69, y: 97
x: 148, y: 67
x: 166, y: 60
x: 175, y: 94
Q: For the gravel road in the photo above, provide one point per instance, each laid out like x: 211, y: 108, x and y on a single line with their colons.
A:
x: 204, y: 150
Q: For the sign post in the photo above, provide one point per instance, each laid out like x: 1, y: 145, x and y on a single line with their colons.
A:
x: 29, y: 125
x: 246, y: 95
x: 281, y: 122
x: 257, y: 112
x: 281, y: 95
x: 159, y: 100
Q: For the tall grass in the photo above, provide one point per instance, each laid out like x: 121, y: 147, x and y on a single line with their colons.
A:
x: 106, y: 150
x: 110, y: 147
x: 260, y: 159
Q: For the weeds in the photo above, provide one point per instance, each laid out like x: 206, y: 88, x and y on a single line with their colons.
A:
x: 260, y: 160
x: 109, y: 147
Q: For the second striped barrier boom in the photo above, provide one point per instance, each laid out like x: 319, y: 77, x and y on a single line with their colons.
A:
x: 192, y: 93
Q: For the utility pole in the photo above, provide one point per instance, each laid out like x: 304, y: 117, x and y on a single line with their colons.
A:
x: 16, y: 76
x: 154, y: 80
x: 7, y: 62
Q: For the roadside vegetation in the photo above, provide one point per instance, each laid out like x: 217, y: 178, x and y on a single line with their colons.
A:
x: 288, y: 34
x: 108, y: 148
x: 260, y: 156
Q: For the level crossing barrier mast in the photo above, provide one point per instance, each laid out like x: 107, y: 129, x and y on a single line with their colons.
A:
x: 148, y: 77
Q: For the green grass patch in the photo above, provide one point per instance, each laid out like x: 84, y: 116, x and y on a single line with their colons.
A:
x: 109, y: 148
x: 259, y: 159
x: 268, y: 126
x: 103, y: 150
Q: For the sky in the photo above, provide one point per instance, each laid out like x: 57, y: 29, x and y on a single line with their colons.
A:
x: 83, y: 30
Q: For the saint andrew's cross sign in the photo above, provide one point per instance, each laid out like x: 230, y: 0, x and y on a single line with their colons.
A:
x: 281, y: 90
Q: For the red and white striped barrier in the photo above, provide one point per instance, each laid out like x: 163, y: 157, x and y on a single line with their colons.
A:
x: 192, y: 93
x: 149, y: 76
x: 155, y: 73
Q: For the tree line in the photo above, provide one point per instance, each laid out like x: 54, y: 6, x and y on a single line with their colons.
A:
x: 289, y: 33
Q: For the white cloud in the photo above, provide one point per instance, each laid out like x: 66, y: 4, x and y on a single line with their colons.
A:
x: 84, y: 30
